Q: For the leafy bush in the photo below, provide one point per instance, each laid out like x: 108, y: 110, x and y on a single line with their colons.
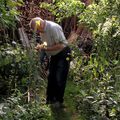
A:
x: 19, y: 69
x: 14, y: 109
x: 64, y: 8
x: 8, y: 12
x: 13, y: 67
x: 98, y: 78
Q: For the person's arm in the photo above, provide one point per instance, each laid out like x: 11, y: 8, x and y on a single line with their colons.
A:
x: 58, y: 46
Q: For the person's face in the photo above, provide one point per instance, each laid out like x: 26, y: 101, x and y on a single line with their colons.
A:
x: 39, y: 30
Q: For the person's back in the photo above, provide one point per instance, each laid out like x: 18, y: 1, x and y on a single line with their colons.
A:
x: 53, y: 34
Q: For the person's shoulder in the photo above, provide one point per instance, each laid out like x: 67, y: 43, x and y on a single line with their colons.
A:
x: 53, y: 24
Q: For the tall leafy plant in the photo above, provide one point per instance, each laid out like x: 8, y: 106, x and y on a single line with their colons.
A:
x: 100, y: 75
x: 64, y: 8
x: 8, y: 11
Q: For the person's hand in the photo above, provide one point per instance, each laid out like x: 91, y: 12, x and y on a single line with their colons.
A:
x: 39, y: 47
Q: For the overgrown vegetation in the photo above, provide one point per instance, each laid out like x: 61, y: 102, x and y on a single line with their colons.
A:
x: 20, y: 72
x: 97, y: 93
x: 8, y: 49
x: 99, y: 78
x: 64, y: 8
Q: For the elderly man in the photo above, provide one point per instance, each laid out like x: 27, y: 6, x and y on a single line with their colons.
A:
x: 56, y: 46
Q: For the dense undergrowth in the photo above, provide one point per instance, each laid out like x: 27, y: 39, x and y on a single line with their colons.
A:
x: 96, y: 91
x: 99, y: 76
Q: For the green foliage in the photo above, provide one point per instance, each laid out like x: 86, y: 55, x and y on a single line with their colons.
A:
x: 14, y: 109
x: 98, y: 76
x: 96, y: 14
x: 19, y: 69
x: 8, y: 12
x: 13, y: 67
x: 64, y: 8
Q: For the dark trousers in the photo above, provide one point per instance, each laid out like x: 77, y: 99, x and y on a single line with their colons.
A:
x: 58, y: 71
